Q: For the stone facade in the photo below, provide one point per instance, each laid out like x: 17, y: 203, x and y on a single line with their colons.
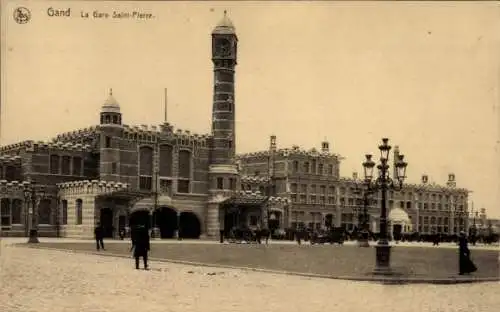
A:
x: 319, y: 196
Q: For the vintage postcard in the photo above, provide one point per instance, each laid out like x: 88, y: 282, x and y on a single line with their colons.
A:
x: 249, y: 156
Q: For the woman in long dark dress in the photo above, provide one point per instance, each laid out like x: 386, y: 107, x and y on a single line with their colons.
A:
x: 140, y: 245
x: 465, y: 263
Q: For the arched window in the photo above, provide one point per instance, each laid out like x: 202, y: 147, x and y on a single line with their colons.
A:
x: 44, y: 212
x: 115, y: 119
x: 166, y: 160
x: 79, y: 211
x: 54, y: 164
x: 5, y: 211
x: 108, y: 119
x: 17, y: 211
x: 64, y: 208
x: 66, y: 165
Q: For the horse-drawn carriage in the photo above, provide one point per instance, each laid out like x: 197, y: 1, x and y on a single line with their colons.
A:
x: 335, y: 235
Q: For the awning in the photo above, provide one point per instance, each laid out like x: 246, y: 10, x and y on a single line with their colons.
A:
x: 246, y: 200
x: 125, y: 195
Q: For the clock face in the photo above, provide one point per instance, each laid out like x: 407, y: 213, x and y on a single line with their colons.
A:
x: 223, y: 47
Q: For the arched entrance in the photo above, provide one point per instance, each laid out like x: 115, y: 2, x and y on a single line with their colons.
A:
x: 189, y: 225
x: 139, y: 217
x: 106, y: 220
x: 166, y: 220
x: 274, y: 221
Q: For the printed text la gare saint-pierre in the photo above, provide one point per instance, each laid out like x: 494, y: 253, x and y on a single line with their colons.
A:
x: 95, y: 14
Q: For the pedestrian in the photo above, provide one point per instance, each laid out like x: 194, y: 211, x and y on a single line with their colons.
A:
x: 267, y: 235
x: 140, y: 245
x: 258, y: 234
x: 99, y: 236
x: 122, y: 233
x: 465, y: 264
x: 221, y: 235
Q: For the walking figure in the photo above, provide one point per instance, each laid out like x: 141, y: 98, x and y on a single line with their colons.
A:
x: 99, y: 236
x: 140, y: 245
x: 464, y: 262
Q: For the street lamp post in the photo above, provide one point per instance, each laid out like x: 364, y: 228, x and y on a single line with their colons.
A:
x: 32, y: 196
x: 383, y: 183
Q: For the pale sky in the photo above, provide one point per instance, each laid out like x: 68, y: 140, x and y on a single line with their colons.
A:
x: 425, y: 75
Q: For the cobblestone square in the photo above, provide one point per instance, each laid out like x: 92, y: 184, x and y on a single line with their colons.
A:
x: 425, y: 261
x: 37, y: 280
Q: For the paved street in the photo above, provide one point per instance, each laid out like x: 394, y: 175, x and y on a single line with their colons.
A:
x: 348, y: 262
x: 43, y: 280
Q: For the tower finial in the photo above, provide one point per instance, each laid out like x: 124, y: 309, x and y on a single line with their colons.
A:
x: 225, y: 12
x: 111, y: 91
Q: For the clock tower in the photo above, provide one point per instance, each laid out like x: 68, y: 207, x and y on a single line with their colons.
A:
x: 224, y: 44
x: 223, y: 172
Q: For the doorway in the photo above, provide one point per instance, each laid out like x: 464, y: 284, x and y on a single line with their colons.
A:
x: 189, y: 225
x: 106, y: 220
x: 166, y: 220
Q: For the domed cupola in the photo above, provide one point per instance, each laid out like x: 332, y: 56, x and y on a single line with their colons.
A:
x: 110, y: 111
x: 225, y: 26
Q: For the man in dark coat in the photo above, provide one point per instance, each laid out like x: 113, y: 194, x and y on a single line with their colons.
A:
x: 99, y: 236
x: 140, y: 245
x: 464, y: 262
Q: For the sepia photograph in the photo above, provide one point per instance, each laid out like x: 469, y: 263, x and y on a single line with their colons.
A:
x: 249, y: 156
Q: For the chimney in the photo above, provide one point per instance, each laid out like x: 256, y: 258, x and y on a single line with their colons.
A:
x: 425, y: 179
x: 451, y: 180
x: 354, y: 175
x: 272, y: 146
x: 325, y: 147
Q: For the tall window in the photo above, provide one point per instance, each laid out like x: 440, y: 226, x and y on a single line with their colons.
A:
x: 65, y: 165
x: 313, y: 165
x: 184, y: 164
x: 64, y: 208
x: 184, y: 171
x: 107, y: 142
x: 54, y: 164
x: 5, y: 211
x: 44, y: 212
x: 320, y: 168
x: 306, y: 167
x: 11, y: 173
x: 145, y: 168
x: 17, y: 211
x: 295, y: 166
x: 77, y: 166
x: 220, y: 183
x: 79, y: 211
x: 232, y: 184
x: 1, y: 173
x: 166, y: 152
